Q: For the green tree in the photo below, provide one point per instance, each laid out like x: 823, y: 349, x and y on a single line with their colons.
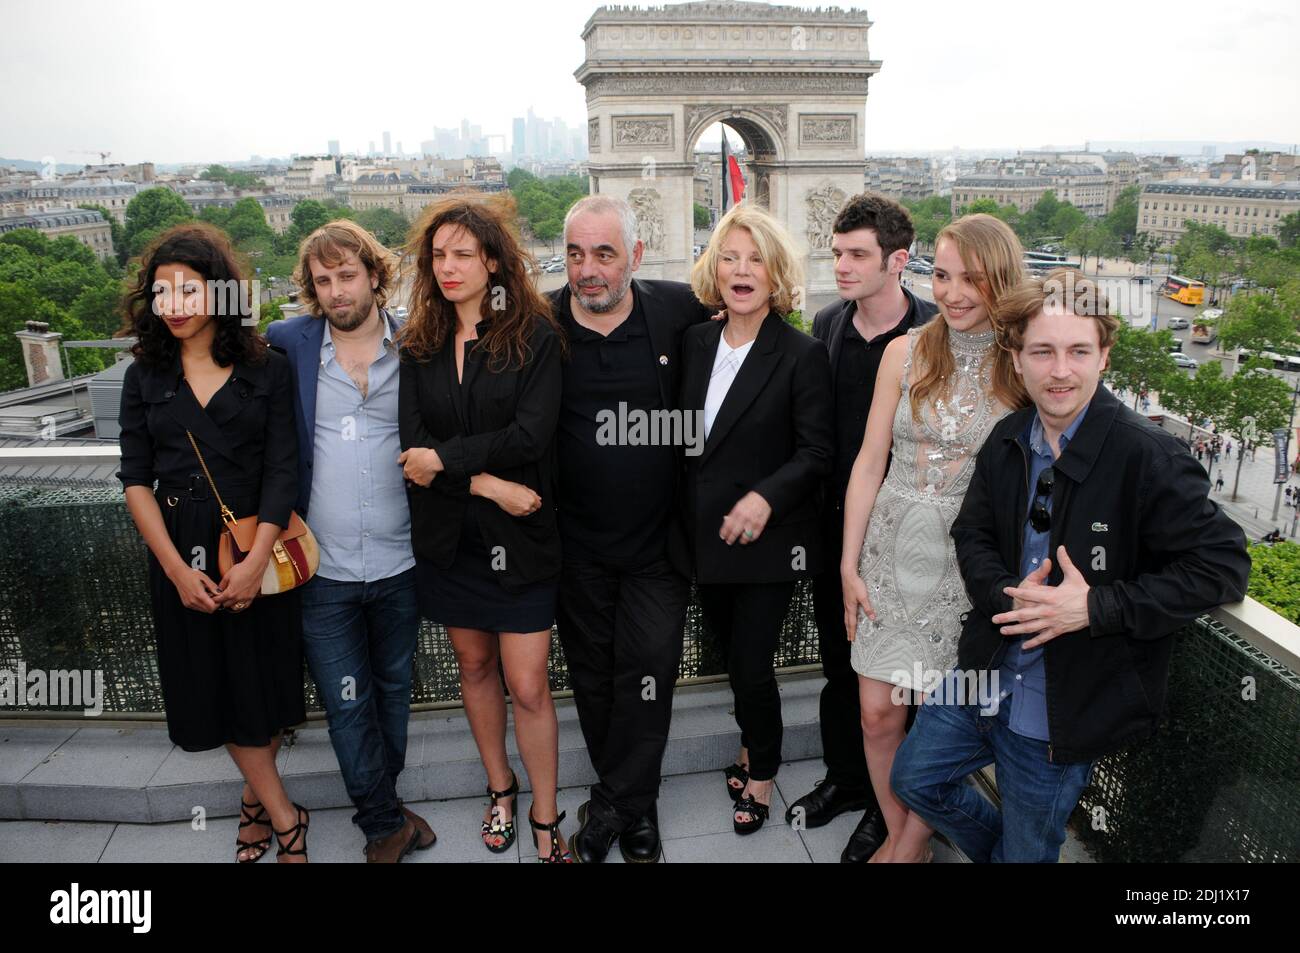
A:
x: 1260, y: 321
x: 1140, y: 361
x: 702, y: 217
x: 307, y: 216
x: 1257, y: 403
x: 929, y: 216
x: 1288, y: 231
x: 247, y: 221
x: 149, y: 214
x: 1121, y: 221
x: 1198, y: 397
x: 388, y: 226
x: 232, y: 178
x: 1066, y: 219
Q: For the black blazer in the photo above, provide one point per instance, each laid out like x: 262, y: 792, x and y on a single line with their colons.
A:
x: 1132, y: 509
x: 246, y: 435
x: 670, y: 307
x: 773, y: 435
x: 498, y: 423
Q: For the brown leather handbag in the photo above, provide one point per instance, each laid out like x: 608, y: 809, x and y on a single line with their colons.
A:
x: 295, y: 557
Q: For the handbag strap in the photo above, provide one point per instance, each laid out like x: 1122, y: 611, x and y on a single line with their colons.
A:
x: 226, y: 515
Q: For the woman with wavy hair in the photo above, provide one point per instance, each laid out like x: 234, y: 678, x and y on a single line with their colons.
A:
x: 940, y: 390
x: 230, y: 662
x: 478, y: 406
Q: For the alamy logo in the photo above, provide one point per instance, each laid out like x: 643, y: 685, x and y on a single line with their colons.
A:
x: 38, y: 688
x: 651, y: 428
x: 103, y: 906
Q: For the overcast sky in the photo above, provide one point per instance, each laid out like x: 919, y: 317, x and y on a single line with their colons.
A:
x: 181, y: 81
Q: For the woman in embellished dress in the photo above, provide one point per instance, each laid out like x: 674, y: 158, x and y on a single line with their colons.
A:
x: 940, y: 390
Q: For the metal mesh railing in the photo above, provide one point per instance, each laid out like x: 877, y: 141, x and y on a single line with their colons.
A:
x: 1220, y: 781
x: 74, y: 595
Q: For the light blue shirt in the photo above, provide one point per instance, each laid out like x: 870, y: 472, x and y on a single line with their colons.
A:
x: 358, y: 495
x: 1022, y: 675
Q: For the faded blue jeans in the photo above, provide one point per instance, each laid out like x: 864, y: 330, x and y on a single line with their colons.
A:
x: 949, y: 742
x: 359, y: 639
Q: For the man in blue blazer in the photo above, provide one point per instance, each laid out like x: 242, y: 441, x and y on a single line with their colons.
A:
x: 360, y: 617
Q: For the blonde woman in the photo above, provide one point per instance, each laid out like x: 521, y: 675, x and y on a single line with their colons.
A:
x: 940, y: 390
x: 751, y: 497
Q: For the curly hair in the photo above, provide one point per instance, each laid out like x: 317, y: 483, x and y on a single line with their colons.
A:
x: 891, y: 222
x: 330, y: 245
x: 205, y: 249
x: 513, y: 305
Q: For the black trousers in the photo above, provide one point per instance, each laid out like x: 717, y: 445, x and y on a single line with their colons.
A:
x: 622, y: 637
x: 746, y: 622
x: 840, y: 715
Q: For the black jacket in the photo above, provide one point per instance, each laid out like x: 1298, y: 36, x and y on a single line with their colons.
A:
x: 246, y: 435
x: 828, y: 325
x: 670, y: 307
x: 772, y: 435
x: 1132, y: 508
x: 498, y: 423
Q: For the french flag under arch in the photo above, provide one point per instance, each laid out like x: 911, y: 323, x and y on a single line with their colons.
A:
x: 737, y: 180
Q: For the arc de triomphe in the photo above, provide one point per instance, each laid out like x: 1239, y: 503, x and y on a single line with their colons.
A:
x: 791, y: 82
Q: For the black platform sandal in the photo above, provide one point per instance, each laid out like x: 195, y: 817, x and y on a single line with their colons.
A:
x: 248, y: 820
x: 736, y: 772
x: 496, y: 827
x: 757, y: 811
x: 298, y: 842
x: 556, y: 856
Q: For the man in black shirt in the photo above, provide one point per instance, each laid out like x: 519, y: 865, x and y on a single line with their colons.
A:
x: 870, y: 242
x: 622, y: 607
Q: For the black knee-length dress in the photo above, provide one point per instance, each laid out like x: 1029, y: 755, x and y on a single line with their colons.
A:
x: 227, y: 678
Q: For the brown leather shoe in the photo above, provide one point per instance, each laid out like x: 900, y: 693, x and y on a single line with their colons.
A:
x: 391, y: 849
x: 427, y: 837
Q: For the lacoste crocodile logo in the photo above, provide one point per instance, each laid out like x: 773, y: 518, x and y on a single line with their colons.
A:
x: 1100, y: 528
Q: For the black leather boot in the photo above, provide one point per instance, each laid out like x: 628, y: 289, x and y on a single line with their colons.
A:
x: 866, y: 839
x: 826, y: 802
x: 591, y: 844
x: 639, y: 844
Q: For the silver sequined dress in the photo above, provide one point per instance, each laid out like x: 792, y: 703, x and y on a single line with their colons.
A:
x: 908, y: 562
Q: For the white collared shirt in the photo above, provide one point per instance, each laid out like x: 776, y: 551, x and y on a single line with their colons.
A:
x: 726, y: 365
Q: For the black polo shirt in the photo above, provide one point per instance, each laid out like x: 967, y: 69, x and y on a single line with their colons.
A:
x: 615, y: 499
x: 855, y: 383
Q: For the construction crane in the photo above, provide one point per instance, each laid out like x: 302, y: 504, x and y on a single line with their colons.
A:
x: 103, y: 156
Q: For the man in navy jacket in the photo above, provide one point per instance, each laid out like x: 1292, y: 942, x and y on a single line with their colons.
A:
x: 360, y: 618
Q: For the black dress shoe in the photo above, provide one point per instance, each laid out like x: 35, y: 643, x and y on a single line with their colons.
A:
x: 826, y: 802
x: 639, y: 844
x: 867, y: 838
x: 594, y: 838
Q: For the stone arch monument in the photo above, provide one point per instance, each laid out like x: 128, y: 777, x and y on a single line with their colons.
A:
x: 791, y: 82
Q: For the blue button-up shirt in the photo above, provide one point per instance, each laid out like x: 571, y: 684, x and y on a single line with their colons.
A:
x: 358, y: 496
x: 1022, y: 676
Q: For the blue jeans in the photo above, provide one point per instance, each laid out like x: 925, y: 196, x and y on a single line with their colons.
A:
x: 359, y: 639
x: 947, y: 743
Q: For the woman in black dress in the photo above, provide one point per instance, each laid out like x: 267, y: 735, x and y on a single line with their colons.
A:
x: 478, y: 406
x: 230, y: 663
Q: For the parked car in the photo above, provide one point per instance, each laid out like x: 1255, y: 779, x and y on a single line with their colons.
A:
x: 1185, y: 362
x: 554, y: 267
x: 920, y: 267
x: 1178, y: 324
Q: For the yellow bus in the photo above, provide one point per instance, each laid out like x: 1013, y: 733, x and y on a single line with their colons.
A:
x: 1183, y: 290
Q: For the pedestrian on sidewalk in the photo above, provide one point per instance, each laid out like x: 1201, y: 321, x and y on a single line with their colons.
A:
x: 1218, y: 484
x: 1227, y: 450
